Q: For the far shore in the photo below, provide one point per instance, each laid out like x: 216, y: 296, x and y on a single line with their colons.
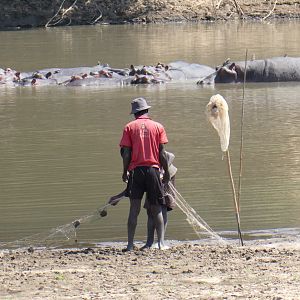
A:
x: 36, y: 13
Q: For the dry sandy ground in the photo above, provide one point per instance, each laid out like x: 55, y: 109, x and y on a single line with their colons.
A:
x: 211, y: 10
x: 186, y: 271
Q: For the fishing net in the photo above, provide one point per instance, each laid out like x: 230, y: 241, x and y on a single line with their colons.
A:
x: 217, y: 114
x: 200, y: 227
x: 60, y: 234
x: 68, y: 232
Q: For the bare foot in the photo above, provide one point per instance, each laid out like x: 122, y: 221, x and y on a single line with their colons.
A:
x: 163, y: 247
x: 145, y: 247
x: 129, y: 248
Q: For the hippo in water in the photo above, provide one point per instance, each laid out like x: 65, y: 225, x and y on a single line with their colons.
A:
x: 103, y: 74
x: 267, y: 70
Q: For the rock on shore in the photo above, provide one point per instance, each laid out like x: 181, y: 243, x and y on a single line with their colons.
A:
x: 35, y: 13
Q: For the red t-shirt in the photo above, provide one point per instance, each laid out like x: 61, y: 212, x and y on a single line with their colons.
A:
x: 144, y: 136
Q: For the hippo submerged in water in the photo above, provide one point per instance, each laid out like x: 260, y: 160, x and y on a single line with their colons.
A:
x: 277, y: 69
x: 268, y: 70
x: 105, y: 75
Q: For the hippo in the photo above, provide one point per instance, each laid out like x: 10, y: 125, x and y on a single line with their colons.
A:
x: 103, y: 74
x: 181, y: 70
x: 37, y: 82
x: 274, y: 69
x: 146, y: 79
x: 94, y: 81
x: 268, y: 70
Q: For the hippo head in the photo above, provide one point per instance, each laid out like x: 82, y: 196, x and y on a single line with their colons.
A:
x: 226, y: 74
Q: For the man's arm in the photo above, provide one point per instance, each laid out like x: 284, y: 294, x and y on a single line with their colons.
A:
x: 114, y: 200
x: 164, y: 163
x: 126, y: 155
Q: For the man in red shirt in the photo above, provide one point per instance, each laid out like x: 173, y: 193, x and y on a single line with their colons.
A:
x: 142, y: 149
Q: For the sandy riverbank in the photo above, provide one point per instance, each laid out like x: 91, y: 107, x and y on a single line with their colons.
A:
x: 186, y: 271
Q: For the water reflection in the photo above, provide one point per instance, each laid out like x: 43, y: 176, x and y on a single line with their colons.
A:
x: 121, y: 46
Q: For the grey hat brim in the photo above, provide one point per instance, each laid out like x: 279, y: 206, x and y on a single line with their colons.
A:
x: 134, y: 111
x: 139, y: 104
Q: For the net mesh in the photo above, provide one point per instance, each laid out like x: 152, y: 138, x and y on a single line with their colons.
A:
x: 200, y: 227
x: 57, y: 235
x: 217, y: 114
x: 67, y: 232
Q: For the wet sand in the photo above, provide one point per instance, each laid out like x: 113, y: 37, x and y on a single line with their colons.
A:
x: 188, y: 270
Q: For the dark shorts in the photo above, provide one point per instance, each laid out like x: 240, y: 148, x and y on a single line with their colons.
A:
x: 169, y: 197
x: 145, y: 180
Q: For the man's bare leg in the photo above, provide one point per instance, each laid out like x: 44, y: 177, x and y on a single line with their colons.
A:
x: 151, y: 227
x: 135, y: 207
x: 158, y: 220
x: 165, y: 216
x: 150, y: 231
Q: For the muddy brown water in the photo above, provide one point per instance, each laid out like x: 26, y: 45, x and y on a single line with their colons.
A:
x: 59, y: 145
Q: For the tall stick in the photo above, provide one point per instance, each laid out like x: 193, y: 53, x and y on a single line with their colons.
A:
x: 237, y: 214
x: 242, y: 135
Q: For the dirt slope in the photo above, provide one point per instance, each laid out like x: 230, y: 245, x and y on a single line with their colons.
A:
x: 34, y: 13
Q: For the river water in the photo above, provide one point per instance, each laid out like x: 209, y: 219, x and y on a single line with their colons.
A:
x: 59, y: 145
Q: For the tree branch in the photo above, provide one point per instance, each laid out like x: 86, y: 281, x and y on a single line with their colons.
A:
x: 269, y: 14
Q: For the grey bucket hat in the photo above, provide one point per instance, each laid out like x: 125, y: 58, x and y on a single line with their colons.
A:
x: 138, y: 104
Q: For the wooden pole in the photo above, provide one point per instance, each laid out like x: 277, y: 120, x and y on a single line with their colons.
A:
x: 237, y: 214
x: 242, y: 136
